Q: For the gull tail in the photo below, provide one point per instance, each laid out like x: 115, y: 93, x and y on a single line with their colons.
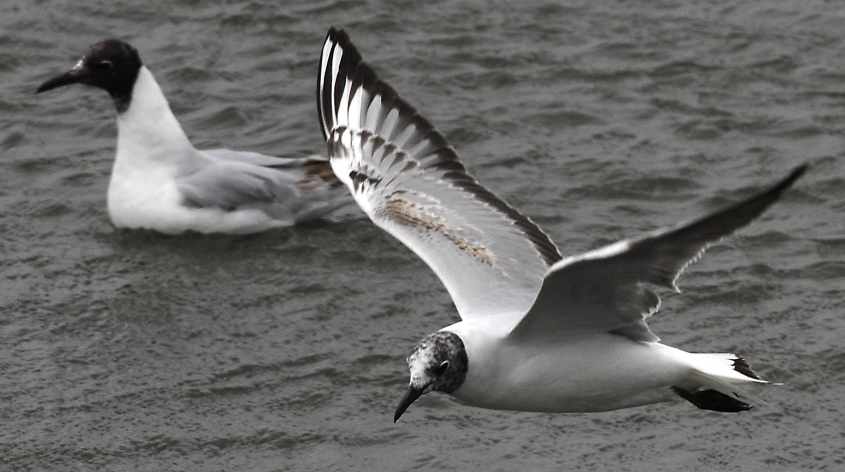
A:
x: 717, y: 382
x: 318, y: 170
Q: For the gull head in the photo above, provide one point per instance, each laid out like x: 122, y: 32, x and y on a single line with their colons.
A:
x: 438, y: 363
x: 111, y: 65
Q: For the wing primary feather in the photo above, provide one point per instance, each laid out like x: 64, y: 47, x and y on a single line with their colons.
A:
x: 699, y: 235
x: 605, y: 289
x: 323, y: 98
x: 385, y: 99
x: 410, y: 181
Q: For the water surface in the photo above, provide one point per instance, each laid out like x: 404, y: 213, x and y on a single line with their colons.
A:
x: 285, y: 351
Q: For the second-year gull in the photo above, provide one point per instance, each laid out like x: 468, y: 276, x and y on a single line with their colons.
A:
x: 538, y: 332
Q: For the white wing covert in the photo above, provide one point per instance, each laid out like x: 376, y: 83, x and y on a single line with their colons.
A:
x: 410, y: 182
x: 604, y: 289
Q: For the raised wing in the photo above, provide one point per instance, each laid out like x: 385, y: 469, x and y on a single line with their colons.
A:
x: 410, y: 182
x: 603, y: 290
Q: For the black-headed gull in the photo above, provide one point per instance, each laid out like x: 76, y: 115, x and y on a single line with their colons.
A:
x: 538, y: 332
x: 159, y: 181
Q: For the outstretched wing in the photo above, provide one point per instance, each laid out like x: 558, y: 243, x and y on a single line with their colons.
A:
x: 410, y: 182
x: 603, y: 290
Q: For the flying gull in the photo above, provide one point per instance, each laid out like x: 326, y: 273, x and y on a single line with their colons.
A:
x: 159, y: 181
x: 538, y: 332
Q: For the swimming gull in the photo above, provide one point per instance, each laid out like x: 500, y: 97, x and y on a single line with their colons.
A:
x: 159, y: 181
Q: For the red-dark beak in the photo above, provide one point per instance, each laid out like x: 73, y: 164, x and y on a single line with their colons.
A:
x: 73, y: 76
x: 410, y: 396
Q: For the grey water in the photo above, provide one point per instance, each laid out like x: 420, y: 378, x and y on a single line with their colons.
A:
x: 126, y: 350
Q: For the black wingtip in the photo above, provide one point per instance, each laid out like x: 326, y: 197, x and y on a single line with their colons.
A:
x: 713, y: 400
x: 774, y: 192
x: 336, y: 39
x: 339, y: 36
x: 794, y: 175
x: 741, y: 365
x: 335, y: 32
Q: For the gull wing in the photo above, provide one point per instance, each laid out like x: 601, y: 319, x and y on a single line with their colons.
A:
x: 228, y: 180
x: 410, y: 182
x: 604, y: 289
x: 223, y: 155
x: 233, y: 185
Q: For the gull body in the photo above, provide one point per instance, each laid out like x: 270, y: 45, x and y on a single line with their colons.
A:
x: 599, y: 372
x: 160, y: 181
x: 538, y: 332
x: 152, y: 154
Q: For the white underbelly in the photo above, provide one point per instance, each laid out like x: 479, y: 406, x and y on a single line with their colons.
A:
x: 155, y: 203
x: 603, y: 372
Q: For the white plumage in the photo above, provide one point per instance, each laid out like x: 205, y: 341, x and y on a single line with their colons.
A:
x: 159, y: 181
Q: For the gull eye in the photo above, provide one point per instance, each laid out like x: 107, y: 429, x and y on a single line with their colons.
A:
x: 104, y: 65
x: 441, y: 369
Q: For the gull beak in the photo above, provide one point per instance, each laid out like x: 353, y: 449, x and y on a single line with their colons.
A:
x: 76, y: 75
x: 409, y: 397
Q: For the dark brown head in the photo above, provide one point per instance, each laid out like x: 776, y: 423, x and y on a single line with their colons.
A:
x: 111, y: 65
